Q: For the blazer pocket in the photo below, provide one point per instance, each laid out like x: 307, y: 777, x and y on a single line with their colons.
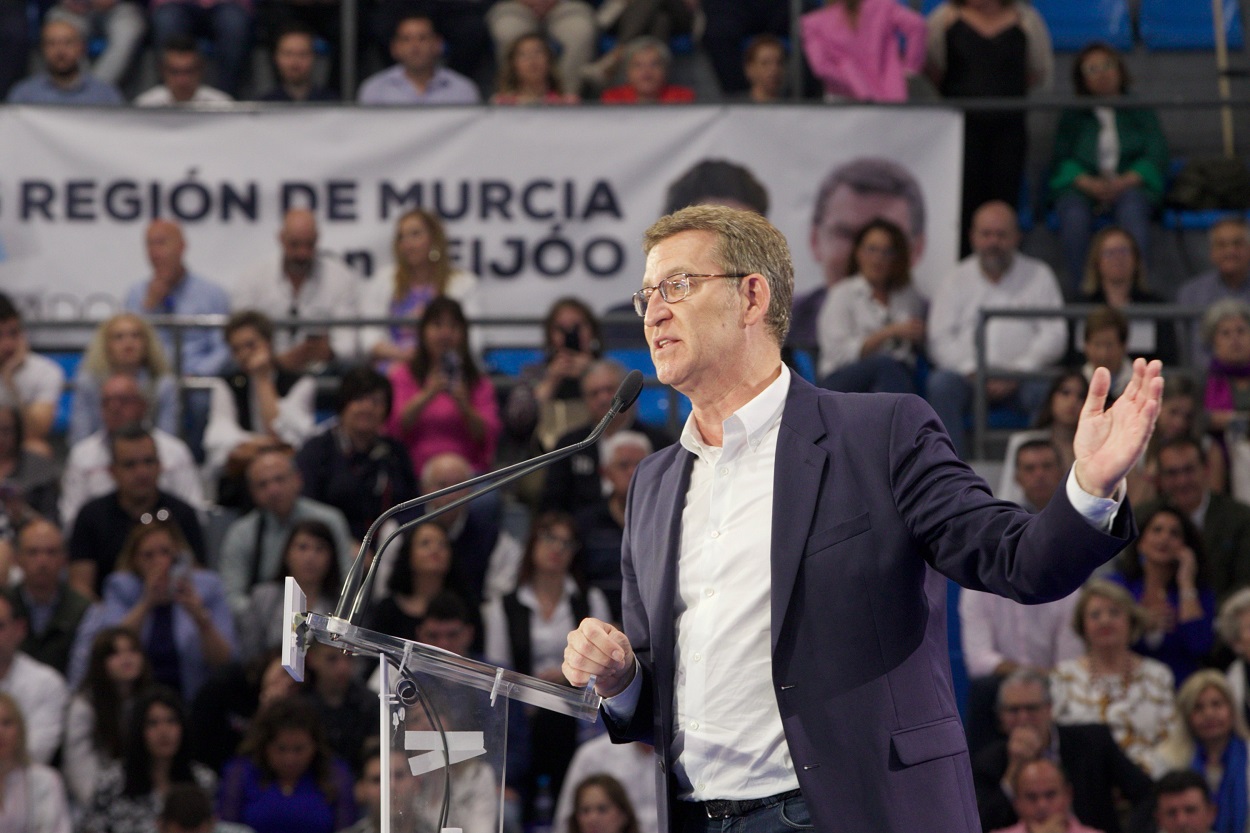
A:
x: 836, y: 534
x: 929, y: 742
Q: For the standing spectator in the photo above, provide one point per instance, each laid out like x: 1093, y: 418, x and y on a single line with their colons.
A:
x: 1115, y: 276
x: 37, y: 688
x: 1108, y: 160
x: 570, y: 23
x: 528, y: 75
x: 647, y: 63
x: 304, y: 283
x: 120, y: 22
x: 173, y: 289
x: 63, y: 48
x: 764, y: 65
x: 996, y: 275
x: 853, y: 47
x: 351, y: 465
x: 52, y: 609
x: 997, y: 49
x: 29, y: 381
x: 1229, y: 277
x: 34, y: 795
x: 729, y: 23
x: 872, y: 323
x: 294, y: 58
x: 29, y: 480
x: 442, y: 400
x: 182, y: 73
x: 95, y: 727
x: 125, y: 344
x: 422, y: 271
x: 416, y: 77
x: 227, y: 23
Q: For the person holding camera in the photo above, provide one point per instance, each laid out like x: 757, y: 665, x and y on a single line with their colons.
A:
x: 442, y: 400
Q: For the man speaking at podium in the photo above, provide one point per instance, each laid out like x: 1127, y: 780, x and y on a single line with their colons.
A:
x: 785, y: 640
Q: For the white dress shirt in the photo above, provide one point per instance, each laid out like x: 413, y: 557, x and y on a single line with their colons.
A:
x: 294, y: 423
x: 547, y: 636
x: 41, y: 694
x: 851, y: 314
x: 994, y: 629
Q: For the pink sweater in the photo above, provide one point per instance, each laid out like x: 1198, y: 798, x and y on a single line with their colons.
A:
x: 863, y: 62
x: 441, y: 427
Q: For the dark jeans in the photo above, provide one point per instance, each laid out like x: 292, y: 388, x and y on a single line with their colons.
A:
x: 1131, y: 212
x: 786, y: 817
x: 229, y: 26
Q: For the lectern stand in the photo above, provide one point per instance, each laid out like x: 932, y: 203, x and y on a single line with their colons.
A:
x: 443, y: 721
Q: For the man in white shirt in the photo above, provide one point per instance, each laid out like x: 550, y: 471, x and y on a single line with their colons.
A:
x: 811, y: 686
x: 182, y: 77
x: 995, y: 275
x: 304, y: 283
x: 39, y: 690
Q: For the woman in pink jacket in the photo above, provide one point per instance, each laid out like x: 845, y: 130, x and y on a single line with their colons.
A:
x: 852, y: 46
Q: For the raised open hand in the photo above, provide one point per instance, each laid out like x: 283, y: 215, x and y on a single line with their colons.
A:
x: 1109, y: 441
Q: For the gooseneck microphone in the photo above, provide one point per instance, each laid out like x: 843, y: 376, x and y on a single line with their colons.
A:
x: 626, y: 395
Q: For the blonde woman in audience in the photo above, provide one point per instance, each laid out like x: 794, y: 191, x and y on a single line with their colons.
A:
x: 1233, y: 626
x: 1110, y: 684
x: 1115, y: 276
x: 123, y: 344
x: 422, y: 270
x: 528, y: 76
x: 32, y: 798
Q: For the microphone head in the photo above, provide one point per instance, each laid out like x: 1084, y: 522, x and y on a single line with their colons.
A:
x: 627, y: 393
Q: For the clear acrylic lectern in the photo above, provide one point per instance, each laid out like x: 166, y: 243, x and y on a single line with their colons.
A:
x: 442, y: 720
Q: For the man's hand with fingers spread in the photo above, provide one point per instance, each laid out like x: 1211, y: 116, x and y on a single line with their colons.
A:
x: 597, y: 649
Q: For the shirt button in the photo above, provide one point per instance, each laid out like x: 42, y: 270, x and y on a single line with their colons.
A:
x: 694, y: 724
x: 709, y: 592
x: 715, y: 533
x: 724, y: 470
x: 698, y: 657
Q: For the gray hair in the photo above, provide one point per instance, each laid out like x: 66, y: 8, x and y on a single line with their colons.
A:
x: 645, y: 42
x: 1024, y: 676
x: 1234, y: 607
x: 1217, y: 312
x: 622, y: 439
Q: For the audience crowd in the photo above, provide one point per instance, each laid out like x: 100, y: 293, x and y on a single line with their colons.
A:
x: 144, y: 550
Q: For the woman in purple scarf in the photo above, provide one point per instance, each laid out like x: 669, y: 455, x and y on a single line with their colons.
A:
x: 1226, y: 333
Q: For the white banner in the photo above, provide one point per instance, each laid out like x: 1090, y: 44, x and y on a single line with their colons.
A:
x: 540, y: 202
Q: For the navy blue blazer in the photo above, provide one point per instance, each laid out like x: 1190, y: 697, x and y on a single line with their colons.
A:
x: 868, y: 500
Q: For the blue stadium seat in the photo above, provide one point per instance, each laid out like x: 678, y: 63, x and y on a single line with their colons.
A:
x: 656, y: 401
x: 1187, y: 24
x: 69, y: 362
x: 508, y: 361
x: 1075, y: 23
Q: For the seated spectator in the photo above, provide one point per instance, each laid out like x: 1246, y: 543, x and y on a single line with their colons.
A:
x: 416, y: 77
x: 173, y: 289
x: 1110, y: 683
x: 226, y: 23
x: 188, y: 809
x: 310, y: 558
x: 348, y: 708
x: 1039, y: 471
x: 369, y: 788
x: 528, y: 75
x: 102, y: 526
x: 872, y: 323
x: 1098, y: 769
x: 1108, y: 159
x: 1042, y: 799
x: 95, y: 727
x: 256, y: 405
x: 570, y: 23
x: 631, y: 766
x: 442, y: 400
x: 601, y: 805
x: 1229, y: 277
x: 125, y: 344
x: 474, y: 800
x: 419, y: 574
x: 1055, y: 422
x: 1179, y: 416
x: 647, y: 62
x: 285, y: 777
x: 625, y: 21
x: 350, y: 465
x: 28, y: 380
x: 35, y: 796
x: 1183, y: 483
x: 997, y: 275
x: 89, y: 467
x: 182, y: 72
x: 764, y: 65
x: 294, y: 57
x: 179, y: 610
x: 422, y: 271
x: 601, y: 525
x: 1233, y: 627
x: 1183, y: 803
x: 63, y: 47
x: 1114, y: 275
x: 853, y: 47
x: 130, y: 792
x: 37, y: 688
x: 995, y: 48
x: 728, y: 25
x: 525, y: 630
x: 52, y: 609
x: 1211, y: 741
x: 29, y: 480
x: 120, y: 23
x: 304, y: 282
x: 576, y: 482
x: 251, y: 551
x: 546, y: 401
x: 1106, y: 345
x: 1226, y: 335
x: 227, y: 702
x: 1163, y: 570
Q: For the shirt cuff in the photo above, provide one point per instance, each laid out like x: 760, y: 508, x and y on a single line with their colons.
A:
x: 622, y: 706
x: 1099, y: 511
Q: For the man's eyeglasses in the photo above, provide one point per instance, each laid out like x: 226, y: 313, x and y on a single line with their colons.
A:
x: 1021, y: 708
x: 672, y: 289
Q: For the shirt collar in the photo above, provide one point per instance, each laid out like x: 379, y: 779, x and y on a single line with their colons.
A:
x: 745, y: 426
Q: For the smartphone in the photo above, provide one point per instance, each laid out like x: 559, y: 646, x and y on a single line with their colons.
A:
x: 451, y: 366
x: 573, y: 339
